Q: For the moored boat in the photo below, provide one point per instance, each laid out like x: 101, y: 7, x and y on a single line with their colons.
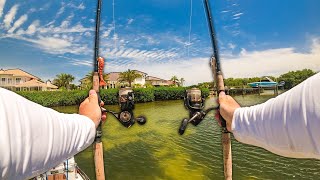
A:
x: 66, y: 170
x: 266, y: 82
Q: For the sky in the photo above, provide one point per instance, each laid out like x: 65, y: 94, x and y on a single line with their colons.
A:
x: 160, y: 37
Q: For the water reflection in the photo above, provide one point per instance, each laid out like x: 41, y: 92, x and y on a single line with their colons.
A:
x: 156, y: 151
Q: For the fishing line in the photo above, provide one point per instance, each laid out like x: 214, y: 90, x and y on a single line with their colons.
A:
x: 114, y: 28
x: 190, y: 28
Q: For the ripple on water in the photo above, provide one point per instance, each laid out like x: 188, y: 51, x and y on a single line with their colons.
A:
x: 156, y: 151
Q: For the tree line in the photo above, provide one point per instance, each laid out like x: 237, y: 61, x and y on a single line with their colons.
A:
x: 64, y: 81
x: 291, y: 79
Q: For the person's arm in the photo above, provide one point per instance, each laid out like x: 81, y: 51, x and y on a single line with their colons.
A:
x: 33, y: 139
x: 288, y: 125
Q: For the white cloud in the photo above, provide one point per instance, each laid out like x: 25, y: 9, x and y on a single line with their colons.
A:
x: 272, y: 61
x: 87, y: 34
x: 18, y: 23
x: 245, y: 64
x: 238, y: 14
x: 78, y: 62
x: 52, y: 43
x: 81, y: 6
x: 129, y: 21
x: 45, y: 7
x: 61, y: 10
x: 107, y: 32
x: 232, y: 46
x: 2, y: 3
x: 141, y: 55
x: 32, y: 10
x: 32, y: 28
x: 64, y: 28
x: 10, y: 16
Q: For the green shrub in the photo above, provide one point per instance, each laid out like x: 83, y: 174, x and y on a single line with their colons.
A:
x: 205, y: 92
x: 143, y: 94
x: 169, y: 93
x: 109, y: 96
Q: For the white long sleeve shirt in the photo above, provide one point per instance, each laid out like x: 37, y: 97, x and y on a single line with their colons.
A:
x: 288, y: 125
x: 33, y: 139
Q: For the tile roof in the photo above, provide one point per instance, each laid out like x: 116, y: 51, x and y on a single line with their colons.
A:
x: 17, y: 72
x: 152, y: 78
x: 113, y: 76
x: 139, y: 72
x: 36, y: 83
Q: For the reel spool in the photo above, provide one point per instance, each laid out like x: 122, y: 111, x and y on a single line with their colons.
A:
x: 194, y: 102
x: 126, y: 102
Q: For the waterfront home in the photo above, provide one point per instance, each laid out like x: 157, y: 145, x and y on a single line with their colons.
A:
x: 158, y: 81
x: 142, y: 80
x: 113, y: 80
x: 19, y: 80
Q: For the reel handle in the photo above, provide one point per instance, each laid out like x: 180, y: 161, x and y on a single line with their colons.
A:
x: 140, y: 119
x: 183, y: 126
x: 185, y: 121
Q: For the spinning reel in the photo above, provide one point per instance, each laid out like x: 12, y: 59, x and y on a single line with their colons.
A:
x: 194, y: 102
x: 126, y: 102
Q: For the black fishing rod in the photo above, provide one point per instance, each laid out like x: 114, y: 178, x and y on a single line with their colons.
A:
x: 126, y: 102
x: 97, y: 83
x: 218, y: 79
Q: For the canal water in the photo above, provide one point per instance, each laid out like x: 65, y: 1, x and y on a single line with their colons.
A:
x: 156, y: 150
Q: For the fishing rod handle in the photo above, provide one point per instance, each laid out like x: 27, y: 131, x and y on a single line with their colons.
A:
x: 218, y: 79
x: 98, y: 146
x: 96, y: 87
x: 98, y: 161
x: 227, y: 155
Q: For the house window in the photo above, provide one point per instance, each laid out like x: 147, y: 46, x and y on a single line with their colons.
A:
x: 9, y: 80
x: 3, y: 80
x: 18, y: 80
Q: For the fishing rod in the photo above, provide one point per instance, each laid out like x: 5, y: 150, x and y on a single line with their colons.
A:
x: 126, y: 102
x: 218, y: 79
x: 97, y: 83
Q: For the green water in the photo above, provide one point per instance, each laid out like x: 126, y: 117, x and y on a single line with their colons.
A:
x: 156, y: 151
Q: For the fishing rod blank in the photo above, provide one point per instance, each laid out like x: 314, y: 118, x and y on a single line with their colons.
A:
x: 218, y: 79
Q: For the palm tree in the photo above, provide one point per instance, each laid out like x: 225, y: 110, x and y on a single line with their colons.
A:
x: 63, y: 80
x: 86, y: 82
x: 129, y: 76
x: 175, y: 79
x: 182, y: 81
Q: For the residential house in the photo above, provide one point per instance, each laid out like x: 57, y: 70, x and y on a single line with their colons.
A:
x: 158, y: 81
x: 142, y: 79
x: 19, y: 80
x: 113, y: 80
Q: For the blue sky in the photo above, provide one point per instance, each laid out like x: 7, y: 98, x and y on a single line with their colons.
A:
x: 265, y: 37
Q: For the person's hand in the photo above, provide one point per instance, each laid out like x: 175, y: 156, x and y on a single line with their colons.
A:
x: 90, y: 108
x: 227, y: 107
